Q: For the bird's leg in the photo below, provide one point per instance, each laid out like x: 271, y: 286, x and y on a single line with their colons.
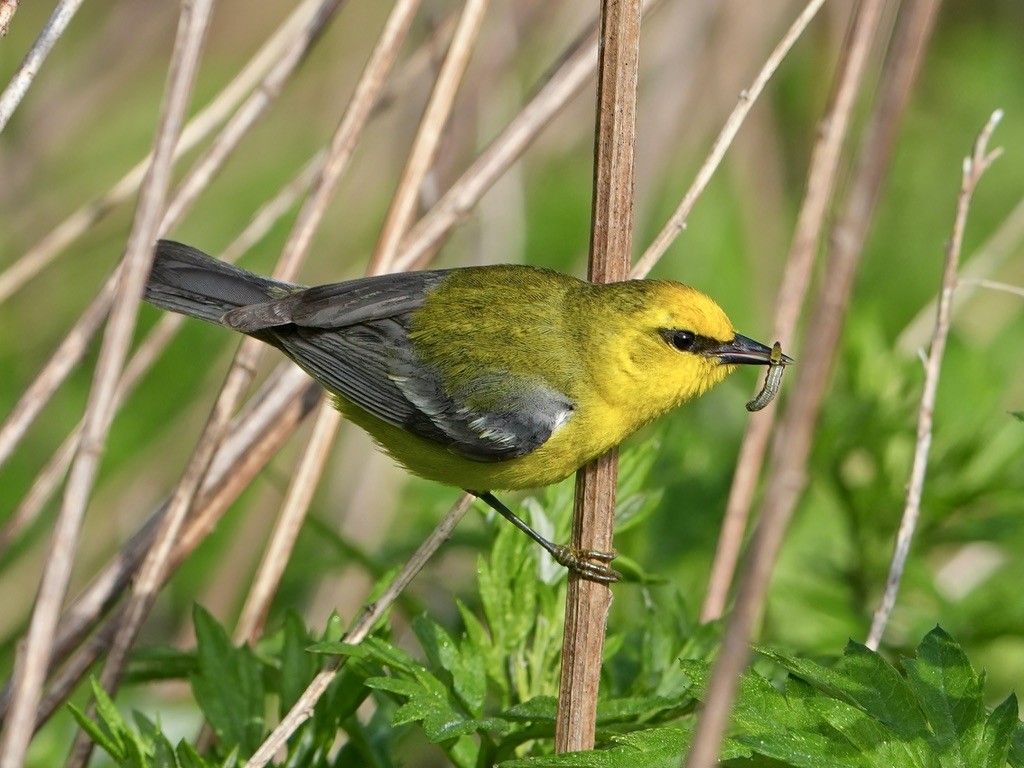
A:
x: 577, y: 560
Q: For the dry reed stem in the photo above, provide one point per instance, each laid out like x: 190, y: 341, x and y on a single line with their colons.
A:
x: 677, y: 221
x: 7, y: 10
x: 58, y: 238
x: 794, y: 437
x: 1004, y: 243
x: 288, y: 524
x: 435, y: 117
x: 992, y: 285
x: 148, y: 353
x: 248, y: 114
x: 611, y: 238
x: 821, y: 180
x: 574, y: 71
x: 66, y: 357
x: 372, y: 612
x: 99, y: 410
x: 54, y: 28
x: 72, y: 349
x: 974, y: 168
x: 151, y: 575
x: 256, y: 435
x: 903, y: 63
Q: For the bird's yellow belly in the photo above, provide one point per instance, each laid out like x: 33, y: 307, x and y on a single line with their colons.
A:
x: 570, y: 447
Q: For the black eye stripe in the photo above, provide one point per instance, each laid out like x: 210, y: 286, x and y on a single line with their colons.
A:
x: 688, y: 341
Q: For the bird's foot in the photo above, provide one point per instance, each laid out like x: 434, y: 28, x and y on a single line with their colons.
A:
x: 581, y: 561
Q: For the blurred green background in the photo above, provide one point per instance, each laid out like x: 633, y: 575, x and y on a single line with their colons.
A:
x: 89, y: 118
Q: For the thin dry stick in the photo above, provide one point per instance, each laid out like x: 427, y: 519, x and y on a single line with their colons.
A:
x: 429, y: 135
x: 148, y: 352
x: 372, y: 612
x: 287, y: 527
x: 611, y: 239
x: 793, y: 441
x: 7, y: 11
x: 68, y: 355
x: 61, y: 236
x: 677, y: 222
x: 19, y: 85
x: 974, y: 168
x: 796, y: 277
x: 138, y: 257
x: 1005, y: 242
x: 993, y: 285
x: 567, y: 81
x: 152, y: 573
x: 244, y: 453
x: 247, y: 116
x: 65, y: 360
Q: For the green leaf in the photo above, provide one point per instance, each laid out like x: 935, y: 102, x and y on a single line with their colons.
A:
x: 863, y: 678
x: 999, y: 731
x: 297, y: 665
x: 873, y: 744
x: 228, y: 686
x: 537, y: 709
x: 650, y: 748
x: 1016, y: 757
x: 163, y: 752
x: 466, y: 669
x: 189, y: 758
x: 1018, y: 415
x: 101, y: 736
x: 950, y: 694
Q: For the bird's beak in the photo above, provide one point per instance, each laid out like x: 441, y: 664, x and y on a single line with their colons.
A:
x: 744, y: 351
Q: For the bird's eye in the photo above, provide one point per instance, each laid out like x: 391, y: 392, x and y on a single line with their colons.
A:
x: 683, y: 340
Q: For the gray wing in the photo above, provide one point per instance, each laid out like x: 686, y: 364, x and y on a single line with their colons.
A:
x: 353, y: 338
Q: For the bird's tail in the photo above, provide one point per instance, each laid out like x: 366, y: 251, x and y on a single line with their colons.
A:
x: 186, y: 280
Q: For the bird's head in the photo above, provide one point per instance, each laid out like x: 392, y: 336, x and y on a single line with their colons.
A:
x: 674, y: 344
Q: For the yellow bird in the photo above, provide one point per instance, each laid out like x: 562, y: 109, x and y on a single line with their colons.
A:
x: 484, y: 378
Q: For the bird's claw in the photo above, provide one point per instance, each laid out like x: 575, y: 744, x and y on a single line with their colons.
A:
x: 580, y: 561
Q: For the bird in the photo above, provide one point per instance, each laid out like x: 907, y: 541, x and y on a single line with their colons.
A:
x: 487, y: 378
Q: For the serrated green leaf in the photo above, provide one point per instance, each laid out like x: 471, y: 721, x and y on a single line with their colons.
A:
x: 106, y: 741
x: 334, y: 629
x: 1016, y: 756
x: 999, y: 730
x: 949, y: 693
x: 863, y: 678
x: 483, y: 647
x: 189, y: 758
x: 873, y: 744
x: 135, y: 755
x: 651, y: 748
x: 159, y: 663
x: 339, y: 648
x: 228, y: 686
x: 297, y: 665
x: 638, y: 709
x: 109, y: 716
x: 536, y: 709
x: 466, y: 670
x: 163, y: 752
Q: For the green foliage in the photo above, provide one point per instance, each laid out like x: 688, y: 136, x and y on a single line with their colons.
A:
x: 486, y: 693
